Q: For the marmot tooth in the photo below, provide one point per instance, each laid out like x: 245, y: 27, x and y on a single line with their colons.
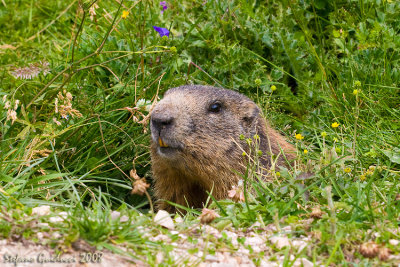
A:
x: 161, y: 142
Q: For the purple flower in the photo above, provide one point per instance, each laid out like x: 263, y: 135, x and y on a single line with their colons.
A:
x: 164, y: 6
x: 162, y: 31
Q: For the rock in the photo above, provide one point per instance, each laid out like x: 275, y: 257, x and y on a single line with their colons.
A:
x: 299, y: 244
x: 211, y: 258
x: 163, y: 218
x: 303, y: 262
x: 115, y: 214
x: 56, y: 219
x: 41, y: 210
x: 280, y: 241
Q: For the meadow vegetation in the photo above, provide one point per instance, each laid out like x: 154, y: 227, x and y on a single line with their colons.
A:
x: 78, y: 78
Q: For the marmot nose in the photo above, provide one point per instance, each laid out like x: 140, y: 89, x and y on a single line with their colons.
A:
x: 160, y: 121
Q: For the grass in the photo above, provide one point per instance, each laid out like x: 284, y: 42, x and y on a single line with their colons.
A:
x: 308, y: 64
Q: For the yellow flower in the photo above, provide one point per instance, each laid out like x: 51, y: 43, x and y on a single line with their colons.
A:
x: 355, y: 92
x: 357, y: 83
x: 125, y: 14
x: 305, y: 151
x: 335, y: 125
x: 244, y: 154
x: 273, y: 88
x: 278, y: 174
x: 299, y: 136
x: 363, y: 177
x: 173, y: 49
x: 347, y: 170
x: 323, y: 134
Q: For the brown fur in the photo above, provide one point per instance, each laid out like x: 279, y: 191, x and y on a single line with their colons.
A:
x: 204, y: 152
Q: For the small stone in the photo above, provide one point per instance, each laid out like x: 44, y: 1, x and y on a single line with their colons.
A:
x: 282, y: 258
x: 212, y: 231
x: 56, y: 219
x: 256, y: 225
x: 63, y: 214
x: 163, y: 218
x: 377, y: 234
x: 254, y: 241
x: 56, y: 235
x: 159, y: 257
x: 299, y: 244
x: 280, y: 241
x: 124, y: 218
x: 41, y: 211
x: 271, y: 228
x: 178, y: 220
x: 211, y: 258
x: 182, y: 236
x: 264, y: 263
x: 40, y: 235
x: 243, y: 250
x: 115, y: 215
x: 162, y: 238
x: 233, y: 236
x: 304, y: 262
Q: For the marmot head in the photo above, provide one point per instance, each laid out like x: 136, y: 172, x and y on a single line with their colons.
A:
x: 196, y: 146
x: 201, y: 122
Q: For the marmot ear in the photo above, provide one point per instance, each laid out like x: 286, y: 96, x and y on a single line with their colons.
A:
x: 250, y: 115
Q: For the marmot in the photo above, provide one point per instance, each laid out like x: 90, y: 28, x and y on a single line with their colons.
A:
x: 196, y: 145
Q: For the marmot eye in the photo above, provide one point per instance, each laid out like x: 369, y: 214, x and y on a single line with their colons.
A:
x: 215, y: 107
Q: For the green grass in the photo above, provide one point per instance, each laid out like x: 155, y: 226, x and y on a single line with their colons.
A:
x: 315, y: 53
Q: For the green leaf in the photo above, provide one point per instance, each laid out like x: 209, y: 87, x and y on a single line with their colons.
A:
x: 394, y: 155
x: 24, y: 133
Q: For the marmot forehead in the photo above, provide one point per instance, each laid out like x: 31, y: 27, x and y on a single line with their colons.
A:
x: 204, y: 90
